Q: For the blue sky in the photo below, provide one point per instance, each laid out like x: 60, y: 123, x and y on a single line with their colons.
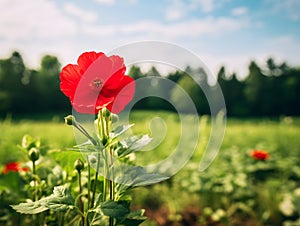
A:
x: 229, y: 32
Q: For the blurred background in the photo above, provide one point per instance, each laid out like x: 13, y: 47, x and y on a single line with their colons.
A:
x: 251, y: 47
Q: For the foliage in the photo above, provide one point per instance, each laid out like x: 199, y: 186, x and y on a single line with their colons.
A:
x: 235, y: 190
x: 267, y: 90
x: 102, y: 200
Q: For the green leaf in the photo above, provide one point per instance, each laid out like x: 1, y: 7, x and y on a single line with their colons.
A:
x: 87, y: 147
x: 136, y: 142
x: 137, y: 176
x: 98, y: 200
x: 60, y: 200
x: 65, y: 158
x: 96, y: 218
x: 113, y: 209
x: 31, y: 207
x: 120, y: 130
x: 11, y: 181
x: 28, y: 142
x: 135, y: 218
x: 132, y: 144
x: 103, y: 210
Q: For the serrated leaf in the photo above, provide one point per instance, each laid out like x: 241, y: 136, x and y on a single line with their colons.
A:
x: 96, y: 218
x: 60, y: 200
x: 87, y: 147
x: 113, y: 209
x: 65, y: 158
x: 135, y: 176
x: 148, y: 178
x: 135, y: 218
x: 136, y: 142
x: 120, y: 130
x: 99, y: 200
x: 31, y: 207
x: 132, y: 144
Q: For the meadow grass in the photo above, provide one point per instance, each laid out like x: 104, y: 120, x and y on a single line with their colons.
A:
x: 279, y: 136
x: 232, y: 181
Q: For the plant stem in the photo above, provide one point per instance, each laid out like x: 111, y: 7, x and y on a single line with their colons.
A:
x: 111, y: 221
x: 111, y: 181
x: 101, y: 134
x: 62, y: 219
x: 80, y: 199
x: 34, y: 179
x: 89, y: 185
x: 96, y: 179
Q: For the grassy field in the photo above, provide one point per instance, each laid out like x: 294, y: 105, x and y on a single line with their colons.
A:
x: 234, y: 190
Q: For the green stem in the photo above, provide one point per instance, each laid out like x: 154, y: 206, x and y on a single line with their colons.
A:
x: 84, y: 132
x: 89, y: 185
x: 102, y: 122
x: 96, y: 178
x: 80, y: 199
x: 62, y: 219
x: 111, y: 185
x: 111, y: 221
x: 104, y: 187
x: 101, y: 134
x: 34, y: 179
x: 111, y: 182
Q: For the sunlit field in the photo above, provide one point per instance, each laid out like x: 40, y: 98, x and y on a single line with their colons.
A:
x: 235, y: 190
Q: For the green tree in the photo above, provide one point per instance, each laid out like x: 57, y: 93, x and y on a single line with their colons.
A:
x: 256, y: 84
x: 193, y: 90
x: 233, y: 92
x: 46, y: 84
x: 11, y: 88
x: 135, y: 72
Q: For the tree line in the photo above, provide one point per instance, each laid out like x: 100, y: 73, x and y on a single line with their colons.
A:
x: 269, y: 91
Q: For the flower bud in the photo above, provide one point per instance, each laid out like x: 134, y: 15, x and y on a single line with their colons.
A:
x: 34, y: 154
x: 78, y: 165
x: 106, y: 113
x: 69, y: 120
x: 92, y: 159
x: 114, y: 118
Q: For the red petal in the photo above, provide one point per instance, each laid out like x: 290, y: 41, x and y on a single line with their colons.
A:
x: 86, y: 59
x: 123, y: 96
x: 69, y: 77
x: 117, y: 73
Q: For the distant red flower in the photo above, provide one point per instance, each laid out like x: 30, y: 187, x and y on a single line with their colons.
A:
x: 97, y: 81
x: 14, y: 167
x: 259, y: 154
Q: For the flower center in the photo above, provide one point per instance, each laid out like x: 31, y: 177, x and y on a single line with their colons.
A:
x: 96, y: 84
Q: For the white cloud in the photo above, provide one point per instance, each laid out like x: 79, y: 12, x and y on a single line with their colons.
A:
x: 84, y: 15
x: 178, y: 9
x: 286, y: 48
x: 291, y: 8
x: 206, y: 26
x: 205, y: 5
x: 155, y: 29
x: 239, y: 11
x: 33, y: 20
x: 106, y: 2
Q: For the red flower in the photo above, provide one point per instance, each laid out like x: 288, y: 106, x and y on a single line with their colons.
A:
x: 97, y: 81
x: 259, y: 154
x: 14, y: 167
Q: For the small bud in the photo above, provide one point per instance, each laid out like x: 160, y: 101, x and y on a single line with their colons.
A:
x: 34, y: 154
x: 114, y: 118
x: 92, y: 159
x: 106, y: 113
x: 78, y: 165
x: 69, y: 120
